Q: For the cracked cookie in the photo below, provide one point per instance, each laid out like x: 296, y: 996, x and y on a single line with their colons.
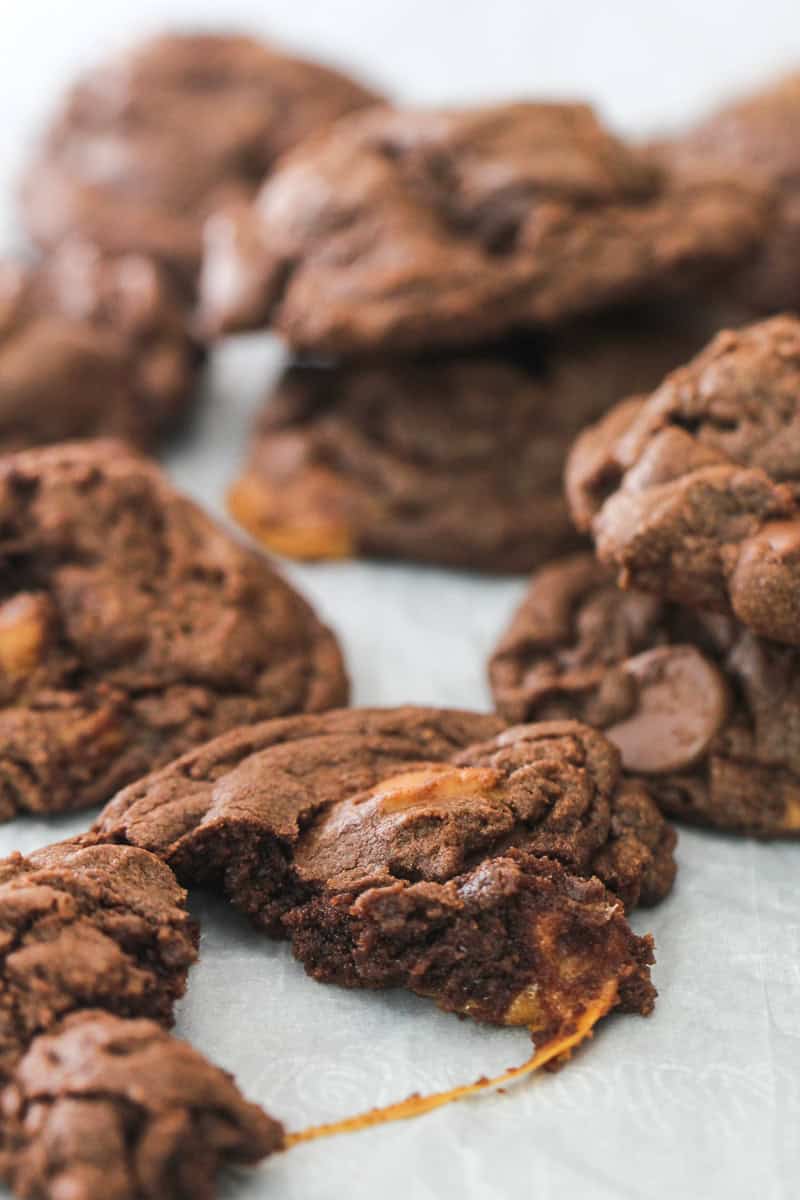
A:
x: 456, y: 459
x: 133, y: 628
x: 691, y: 492
x: 698, y: 705
x: 94, y: 926
x: 147, y: 144
x: 111, y: 1109
x: 401, y: 230
x: 422, y: 848
x: 91, y: 345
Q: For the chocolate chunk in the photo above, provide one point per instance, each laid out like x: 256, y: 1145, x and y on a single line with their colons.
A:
x: 94, y: 926
x: 756, y: 135
x: 398, y: 230
x: 692, y: 493
x: 91, y: 345
x: 695, y: 702
x: 148, y: 143
x: 422, y: 848
x: 449, y: 459
x: 112, y: 1109
x: 682, y: 704
x: 132, y: 628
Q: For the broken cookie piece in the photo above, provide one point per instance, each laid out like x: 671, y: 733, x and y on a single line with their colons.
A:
x: 403, y: 230
x: 697, y: 704
x: 88, y: 926
x: 422, y: 848
x: 111, y: 1109
x: 132, y: 628
x: 517, y: 940
x: 691, y: 493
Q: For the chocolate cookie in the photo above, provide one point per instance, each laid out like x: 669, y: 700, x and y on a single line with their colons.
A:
x: 90, y: 346
x: 691, y: 492
x: 88, y: 927
x: 454, y: 459
x: 252, y: 809
x: 414, y: 847
x: 757, y: 135
x: 108, y: 1109
x: 401, y: 230
x: 132, y: 628
x: 147, y: 144
x: 698, y: 705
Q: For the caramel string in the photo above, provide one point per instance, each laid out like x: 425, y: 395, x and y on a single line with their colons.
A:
x: 414, y: 1106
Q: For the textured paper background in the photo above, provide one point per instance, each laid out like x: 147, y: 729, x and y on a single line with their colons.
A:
x: 700, y: 1101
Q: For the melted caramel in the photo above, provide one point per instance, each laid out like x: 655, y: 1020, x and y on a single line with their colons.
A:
x: 435, y: 783
x: 23, y: 629
x: 560, y: 1046
x: 311, y: 536
x: 526, y: 1009
x: 791, y: 814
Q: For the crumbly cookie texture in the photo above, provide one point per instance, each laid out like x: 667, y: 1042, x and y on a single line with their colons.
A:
x: 416, y: 847
x: 692, y: 492
x: 110, y: 1109
x: 756, y: 135
x: 400, y: 230
x: 453, y: 459
x: 91, y: 345
x: 147, y: 144
x: 132, y: 628
x: 88, y: 926
x: 697, y: 704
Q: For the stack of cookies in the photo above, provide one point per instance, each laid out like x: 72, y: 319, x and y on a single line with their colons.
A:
x: 691, y: 666
x: 463, y: 291
x: 679, y: 637
x: 477, y: 304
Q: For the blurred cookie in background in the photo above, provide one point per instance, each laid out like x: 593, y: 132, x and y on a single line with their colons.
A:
x: 756, y: 135
x: 448, y: 459
x: 91, y: 345
x: 397, y: 231
x: 147, y: 143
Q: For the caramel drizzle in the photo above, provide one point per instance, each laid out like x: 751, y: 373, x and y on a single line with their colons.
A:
x: 562, y: 1044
